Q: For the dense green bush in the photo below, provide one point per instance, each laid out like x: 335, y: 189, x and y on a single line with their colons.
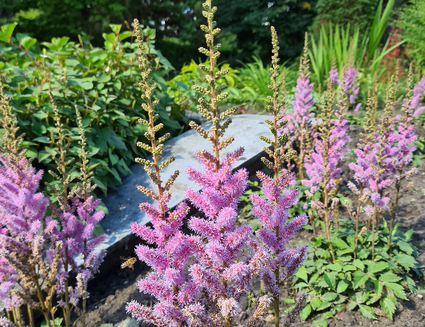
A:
x: 358, y: 14
x: 101, y: 82
x: 412, y: 23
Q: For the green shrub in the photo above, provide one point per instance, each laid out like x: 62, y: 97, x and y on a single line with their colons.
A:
x: 101, y: 82
x: 412, y: 23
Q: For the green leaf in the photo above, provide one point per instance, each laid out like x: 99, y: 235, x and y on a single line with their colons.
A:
x: 339, y: 243
x: 86, y: 85
x: 352, y: 305
x: 72, y: 62
x: 103, y: 78
x: 27, y: 42
x: 367, y: 311
x: 408, y: 234
x: 405, y: 260
x: 377, y: 267
x: 330, y: 279
x: 116, y: 142
x: 116, y: 28
x: 349, y: 268
x: 316, y: 303
x: 359, y: 279
x: 320, y: 323
x: 98, y: 230
x: 42, y: 139
x: 335, y: 266
x: 329, y: 296
x: 342, y: 286
x: 397, y: 289
x: 101, y: 207
x: 305, y: 312
x: 389, y: 277
x: 40, y: 115
x: 301, y: 273
x: 6, y: 32
x: 358, y: 264
x: 388, y: 305
x: 324, y: 305
x: 124, y: 35
x: 361, y: 297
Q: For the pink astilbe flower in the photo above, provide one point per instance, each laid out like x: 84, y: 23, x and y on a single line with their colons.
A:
x: 299, y: 120
x: 272, y: 212
x: 418, y: 91
x: 324, y: 167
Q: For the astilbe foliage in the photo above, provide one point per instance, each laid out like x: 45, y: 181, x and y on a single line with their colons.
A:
x: 36, y: 251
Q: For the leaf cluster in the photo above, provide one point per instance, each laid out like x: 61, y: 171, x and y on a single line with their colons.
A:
x: 101, y: 82
x: 353, y: 280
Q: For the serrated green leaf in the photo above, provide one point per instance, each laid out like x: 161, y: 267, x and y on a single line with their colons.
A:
x: 389, y: 277
x: 367, y: 311
x: 406, y: 247
x: 405, y: 260
x: 377, y: 267
x: 388, y: 306
x: 397, y: 289
x: 361, y: 297
x: 305, y: 312
x: 359, y: 279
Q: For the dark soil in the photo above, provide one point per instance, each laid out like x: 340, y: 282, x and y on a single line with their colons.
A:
x: 110, y: 293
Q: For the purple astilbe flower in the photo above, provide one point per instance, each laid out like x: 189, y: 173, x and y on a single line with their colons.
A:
x: 23, y: 241
x: 218, y: 271
x: 405, y: 137
x: 299, y: 119
x: 351, y: 90
x: 348, y: 85
x: 333, y: 75
x: 324, y: 167
x: 418, y: 90
x: 272, y: 212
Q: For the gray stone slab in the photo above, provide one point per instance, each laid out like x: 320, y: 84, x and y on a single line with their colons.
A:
x: 123, y: 202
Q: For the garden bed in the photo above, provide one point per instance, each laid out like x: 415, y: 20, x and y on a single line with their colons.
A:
x: 110, y: 293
